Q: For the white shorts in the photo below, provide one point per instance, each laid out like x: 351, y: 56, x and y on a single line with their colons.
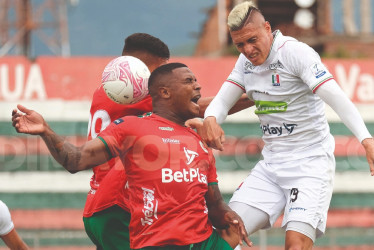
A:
x: 300, y: 189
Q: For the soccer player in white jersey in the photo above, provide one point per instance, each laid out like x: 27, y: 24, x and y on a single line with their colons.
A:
x: 289, y: 85
x: 7, y: 231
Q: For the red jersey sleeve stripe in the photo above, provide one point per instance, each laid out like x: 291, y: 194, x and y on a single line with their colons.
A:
x: 106, y: 146
x: 236, y: 83
x: 320, y: 84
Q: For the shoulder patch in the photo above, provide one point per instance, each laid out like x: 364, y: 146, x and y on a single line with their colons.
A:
x: 318, y: 70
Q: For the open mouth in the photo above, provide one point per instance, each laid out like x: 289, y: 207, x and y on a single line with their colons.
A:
x: 195, y: 99
x: 253, y: 56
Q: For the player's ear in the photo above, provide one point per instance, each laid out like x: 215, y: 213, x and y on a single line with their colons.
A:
x: 267, y: 26
x: 164, y: 92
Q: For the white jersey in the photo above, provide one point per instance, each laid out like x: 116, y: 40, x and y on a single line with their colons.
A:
x: 6, y: 223
x: 292, y: 117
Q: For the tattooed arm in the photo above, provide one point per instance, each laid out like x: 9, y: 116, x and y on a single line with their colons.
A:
x: 71, y: 157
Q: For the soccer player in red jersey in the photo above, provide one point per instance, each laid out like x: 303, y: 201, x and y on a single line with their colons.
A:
x: 106, y: 214
x: 174, y: 196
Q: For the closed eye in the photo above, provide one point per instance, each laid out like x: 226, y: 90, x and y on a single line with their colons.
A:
x: 191, y: 80
x: 252, y: 40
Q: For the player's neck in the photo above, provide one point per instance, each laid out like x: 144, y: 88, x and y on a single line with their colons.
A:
x: 169, y: 115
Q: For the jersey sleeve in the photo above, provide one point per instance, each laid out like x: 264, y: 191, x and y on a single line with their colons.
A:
x: 334, y: 96
x: 117, y: 137
x: 6, y: 223
x: 308, y: 67
x: 229, y: 93
x: 221, y: 104
x: 236, y: 76
x: 212, y: 172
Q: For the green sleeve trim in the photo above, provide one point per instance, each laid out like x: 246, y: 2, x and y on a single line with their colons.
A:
x: 212, y: 183
x: 106, y: 146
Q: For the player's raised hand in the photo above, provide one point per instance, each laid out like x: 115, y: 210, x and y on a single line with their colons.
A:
x: 28, y: 121
x: 368, y: 144
x: 197, y: 124
x: 215, y: 136
x: 194, y: 123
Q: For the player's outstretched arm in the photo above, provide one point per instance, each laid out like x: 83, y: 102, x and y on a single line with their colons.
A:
x: 228, y: 223
x: 212, y: 140
x: 28, y: 122
x: 213, y: 135
x: 211, y: 132
x: 226, y: 99
x: 14, y: 241
x: 332, y: 94
x: 71, y: 157
x: 241, y: 104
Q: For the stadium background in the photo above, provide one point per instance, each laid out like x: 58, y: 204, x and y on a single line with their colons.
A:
x: 46, y: 202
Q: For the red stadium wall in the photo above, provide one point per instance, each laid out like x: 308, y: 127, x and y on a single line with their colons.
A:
x: 75, y: 78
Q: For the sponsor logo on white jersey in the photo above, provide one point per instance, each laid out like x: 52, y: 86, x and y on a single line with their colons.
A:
x: 150, y: 207
x: 248, y: 66
x: 169, y: 140
x: 166, y: 128
x: 185, y: 175
x: 261, y: 92
x: 268, y: 107
x: 276, y: 65
x: 318, y: 70
x: 190, y: 155
x: 289, y: 127
x: 278, y: 130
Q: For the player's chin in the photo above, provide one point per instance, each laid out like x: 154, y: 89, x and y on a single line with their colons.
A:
x: 194, y: 111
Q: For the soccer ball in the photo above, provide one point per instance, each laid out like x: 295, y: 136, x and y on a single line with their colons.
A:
x: 125, y: 80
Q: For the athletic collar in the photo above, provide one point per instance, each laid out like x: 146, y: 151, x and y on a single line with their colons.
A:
x: 173, y: 124
x: 277, y: 38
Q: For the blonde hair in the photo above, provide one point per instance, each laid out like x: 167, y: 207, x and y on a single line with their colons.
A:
x: 240, y: 14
